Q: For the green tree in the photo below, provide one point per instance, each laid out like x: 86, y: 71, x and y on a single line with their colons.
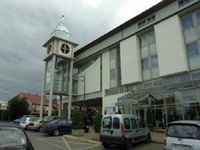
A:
x: 97, y: 122
x: 76, y: 120
x: 150, y: 118
x: 18, y: 107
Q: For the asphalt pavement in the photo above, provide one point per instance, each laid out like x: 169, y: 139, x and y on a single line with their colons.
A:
x: 45, y: 142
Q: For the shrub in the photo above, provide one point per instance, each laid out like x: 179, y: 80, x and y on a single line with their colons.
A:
x: 76, y: 120
x: 150, y: 118
x: 97, y: 122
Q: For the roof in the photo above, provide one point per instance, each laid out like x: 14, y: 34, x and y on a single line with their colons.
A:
x: 9, y: 125
x: 35, y: 99
x: 128, y: 23
x: 195, y: 122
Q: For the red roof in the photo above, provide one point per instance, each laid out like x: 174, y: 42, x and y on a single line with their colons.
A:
x: 35, y: 99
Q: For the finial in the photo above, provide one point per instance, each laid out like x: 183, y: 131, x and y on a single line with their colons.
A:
x: 62, y: 18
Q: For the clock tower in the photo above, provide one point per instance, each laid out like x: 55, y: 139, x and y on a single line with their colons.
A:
x: 58, y: 67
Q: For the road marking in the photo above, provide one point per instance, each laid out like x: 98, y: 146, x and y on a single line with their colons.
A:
x: 66, y: 144
x: 80, y: 143
x: 44, y: 141
x: 90, y: 147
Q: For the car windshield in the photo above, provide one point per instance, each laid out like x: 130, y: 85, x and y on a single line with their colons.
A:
x: 184, y: 131
x: 10, y: 137
x: 34, y: 118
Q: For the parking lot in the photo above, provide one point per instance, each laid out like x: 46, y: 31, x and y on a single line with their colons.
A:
x: 45, y: 142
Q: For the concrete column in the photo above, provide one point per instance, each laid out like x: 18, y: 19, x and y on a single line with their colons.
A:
x: 42, y: 94
x: 51, y: 86
x: 70, y: 89
x: 60, y: 106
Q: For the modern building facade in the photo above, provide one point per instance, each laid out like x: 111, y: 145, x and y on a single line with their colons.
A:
x: 151, y: 61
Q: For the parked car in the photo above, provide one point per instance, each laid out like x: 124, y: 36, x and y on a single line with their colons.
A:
x: 13, y: 137
x: 57, y: 127
x: 35, y: 124
x: 182, y: 135
x: 123, y: 129
x: 24, y: 123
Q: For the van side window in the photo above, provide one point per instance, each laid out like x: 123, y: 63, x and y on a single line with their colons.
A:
x: 127, y: 123
x: 141, y: 124
x: 107, y: 122
x: 116, y: 123
x: 133, y: 123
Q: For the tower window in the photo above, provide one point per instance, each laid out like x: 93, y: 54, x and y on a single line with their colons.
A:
x: 64, y: 48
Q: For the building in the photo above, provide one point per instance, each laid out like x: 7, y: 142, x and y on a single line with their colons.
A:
x: 3, y: 105
x: 34, y: 104
x: 151, y: 61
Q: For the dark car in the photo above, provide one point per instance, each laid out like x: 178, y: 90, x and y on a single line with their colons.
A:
x: 57, y: 127
x: 13, y: 137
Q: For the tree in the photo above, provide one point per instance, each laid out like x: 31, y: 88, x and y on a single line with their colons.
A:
x: 150, y: 118
x: 18, y: 107
x: 97, y: 122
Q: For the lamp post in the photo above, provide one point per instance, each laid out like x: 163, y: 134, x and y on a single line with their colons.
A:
x: 83, y: 79
x: 86, y: 126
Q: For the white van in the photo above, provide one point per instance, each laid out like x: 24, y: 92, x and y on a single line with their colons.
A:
x: 124, y: 130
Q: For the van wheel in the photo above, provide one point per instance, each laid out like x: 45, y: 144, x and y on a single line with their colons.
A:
x: 56, y: 132
x: 128, y: 145
x: 105, y: 145
x: 148, y: 140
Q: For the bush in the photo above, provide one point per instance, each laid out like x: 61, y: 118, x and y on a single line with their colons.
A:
x: 150, y: 118
x: 97, y: 122
x: 76, y: 120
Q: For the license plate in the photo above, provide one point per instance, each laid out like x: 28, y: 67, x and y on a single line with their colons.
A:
x: 181, y: 147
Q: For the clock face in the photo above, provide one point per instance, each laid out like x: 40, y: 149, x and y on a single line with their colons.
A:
x: 49, y: 49
x: 64, y: 48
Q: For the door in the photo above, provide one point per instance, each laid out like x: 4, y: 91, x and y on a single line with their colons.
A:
x: 134, y: 127
x: 141, y: 130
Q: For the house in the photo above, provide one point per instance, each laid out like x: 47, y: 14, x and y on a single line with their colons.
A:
x: 34, y: 104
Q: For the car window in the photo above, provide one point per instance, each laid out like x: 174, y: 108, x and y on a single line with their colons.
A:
x: 141, y: 123
x: 127, y: 123
x: 107, y: 122
x: 183, y: 131
x: 116, y: 123
x: 133, y: 123
x: 62, y: 122
x: 10, y: 136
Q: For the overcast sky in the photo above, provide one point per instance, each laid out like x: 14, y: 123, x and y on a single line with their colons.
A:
x: 25, y: 25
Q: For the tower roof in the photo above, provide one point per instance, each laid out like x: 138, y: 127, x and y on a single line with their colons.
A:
x: 61, y: 31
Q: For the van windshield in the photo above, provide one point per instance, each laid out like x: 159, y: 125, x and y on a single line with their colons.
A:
x: 107, y: 121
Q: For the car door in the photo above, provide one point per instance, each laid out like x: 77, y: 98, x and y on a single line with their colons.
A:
x: 141, y: 131
x: 62, y: 125
x: 134, y: 127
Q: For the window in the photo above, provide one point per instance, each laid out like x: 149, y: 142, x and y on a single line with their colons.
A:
x: 183, y: 2
x: 127, y: 123
x: 141, y: 124
x: 133, y: 123
x: 149, y: 58
x: 115, y: 71
x: 146, y: 21
x: 107, y: 122
x: 116, y: 123
x: 191, y: 29
x: 192, y: 49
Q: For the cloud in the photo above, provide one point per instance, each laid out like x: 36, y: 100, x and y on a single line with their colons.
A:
x: 26, y: 25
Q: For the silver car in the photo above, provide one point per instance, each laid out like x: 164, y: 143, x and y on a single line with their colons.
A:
x: 182, y: 135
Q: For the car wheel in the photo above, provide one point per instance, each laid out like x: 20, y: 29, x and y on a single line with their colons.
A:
x: 148, y: 139
x: 56, y: 132
x: 105, y: 145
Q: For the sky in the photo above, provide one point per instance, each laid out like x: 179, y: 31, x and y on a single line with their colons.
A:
x: 25, y: 25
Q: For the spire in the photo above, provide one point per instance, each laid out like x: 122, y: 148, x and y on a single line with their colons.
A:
x: 61, y: 30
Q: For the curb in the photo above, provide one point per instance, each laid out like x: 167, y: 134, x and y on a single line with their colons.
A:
x: 82, y: 139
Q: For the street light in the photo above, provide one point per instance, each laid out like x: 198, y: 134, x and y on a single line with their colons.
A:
x: 86, y: 127
x: 83, y: 79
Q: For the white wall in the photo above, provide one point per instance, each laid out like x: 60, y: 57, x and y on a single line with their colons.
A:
x: 92, y: 78
x: 170, y: 46
x: 130, y: 60
x: 105, y: 71
x: 110, y: 100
